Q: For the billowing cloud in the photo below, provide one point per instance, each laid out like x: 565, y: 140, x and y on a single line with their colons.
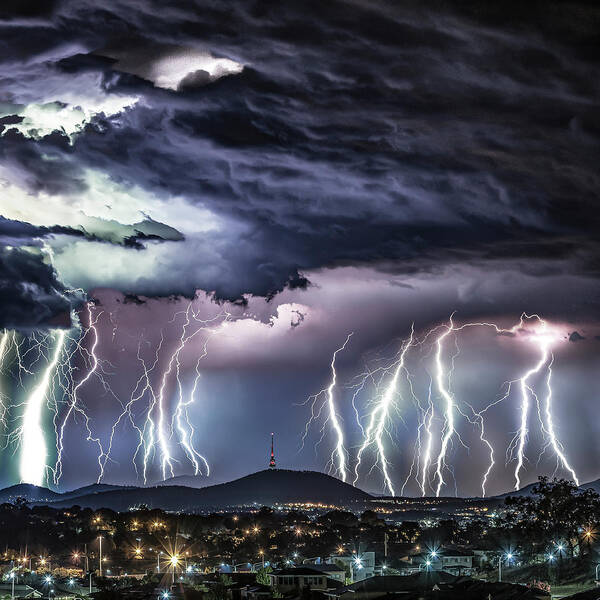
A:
x: 378, y: 136
x: 169, y: 66
x: 30, y: 294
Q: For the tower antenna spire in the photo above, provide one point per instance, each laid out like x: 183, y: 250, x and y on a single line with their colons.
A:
x: 272, y: 464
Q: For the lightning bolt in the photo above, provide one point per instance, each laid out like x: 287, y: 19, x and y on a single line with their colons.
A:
x: 339, y: 453
x: 5, y: 338
x: 546, y: 359
x: 449, y: 407
x: 158, y: 430
x: 34, y: 451
x: 428, y: 420
x: 75, y: 407
x: 379, y: 417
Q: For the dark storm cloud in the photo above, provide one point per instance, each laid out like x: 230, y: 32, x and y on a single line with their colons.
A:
x: 356, y: 133
x: 30, y: 294
x: 576, y: 337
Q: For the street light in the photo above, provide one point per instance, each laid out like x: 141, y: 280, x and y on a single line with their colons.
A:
x: 48, y: 581
x: 12, y: 576
x: 174, y: 560
x: 508, y: 556
x: 100, y: 542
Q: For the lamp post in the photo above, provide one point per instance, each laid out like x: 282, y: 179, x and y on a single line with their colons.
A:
x: 174, y: 561
x: 12, y: 576
x: 509, y: 557
x: 100, y: 542
x: 158, y: 561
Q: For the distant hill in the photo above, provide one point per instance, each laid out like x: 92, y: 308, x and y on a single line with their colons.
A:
x: 95, y: 488
x: 32, y: 493
x: 528, y: 489
x: 191, y: 481
x: 592, y: 485
x: 524, y: 491
x: 263, y: 488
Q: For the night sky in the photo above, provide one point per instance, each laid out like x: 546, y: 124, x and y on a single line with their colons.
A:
x: 262, y: 179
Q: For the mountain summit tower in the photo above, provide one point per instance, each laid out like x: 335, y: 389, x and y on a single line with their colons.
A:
x: 272, y: 464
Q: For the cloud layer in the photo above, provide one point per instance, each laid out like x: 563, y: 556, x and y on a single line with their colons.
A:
x: 227, y: 148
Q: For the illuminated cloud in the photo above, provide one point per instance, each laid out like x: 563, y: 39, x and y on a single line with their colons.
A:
x: 39, y: 120
x: 171, y: 67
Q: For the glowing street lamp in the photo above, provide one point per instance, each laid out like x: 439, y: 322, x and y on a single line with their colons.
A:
x: 12, y: 577
x: 100, y: 561
x: 174, y: 560
x: 508, y: 557
x: 358, y: 564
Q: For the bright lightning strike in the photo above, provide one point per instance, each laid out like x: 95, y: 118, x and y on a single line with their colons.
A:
x: 339, y: 453
x: 34, y: 451
x: 529, y: 327
x: 379, y: 418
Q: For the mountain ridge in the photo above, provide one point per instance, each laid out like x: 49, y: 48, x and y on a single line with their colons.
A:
x: 267, y: 487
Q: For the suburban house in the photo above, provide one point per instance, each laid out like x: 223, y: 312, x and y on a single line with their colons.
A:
x: 315, y: 577
x: 451, y: 560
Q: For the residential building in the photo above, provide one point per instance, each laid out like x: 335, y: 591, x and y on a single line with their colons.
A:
x: 315, y: 577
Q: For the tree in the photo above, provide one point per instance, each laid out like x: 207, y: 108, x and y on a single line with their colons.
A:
x: 262, y: 576
x: 556, y: 512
